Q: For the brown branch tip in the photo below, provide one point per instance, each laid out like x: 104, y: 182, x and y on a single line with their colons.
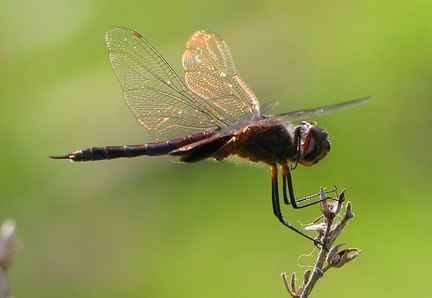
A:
x: 329, y: 255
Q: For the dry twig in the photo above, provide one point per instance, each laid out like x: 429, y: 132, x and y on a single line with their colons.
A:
x: 329, y: 256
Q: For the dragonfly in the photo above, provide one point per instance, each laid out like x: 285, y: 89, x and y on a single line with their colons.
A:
x: 213, y: 114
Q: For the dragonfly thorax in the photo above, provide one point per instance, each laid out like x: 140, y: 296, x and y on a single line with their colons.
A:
x: 269, y: 144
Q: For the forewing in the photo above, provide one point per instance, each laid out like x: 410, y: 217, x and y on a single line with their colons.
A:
x: 210, y: 73
x: 306, y: 114
x: 153, y: 91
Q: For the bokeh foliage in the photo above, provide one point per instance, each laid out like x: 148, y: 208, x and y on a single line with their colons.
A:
x: 150, y: 228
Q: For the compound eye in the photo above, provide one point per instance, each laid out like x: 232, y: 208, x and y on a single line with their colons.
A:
x: 318, y: 135
x: 317, y: 146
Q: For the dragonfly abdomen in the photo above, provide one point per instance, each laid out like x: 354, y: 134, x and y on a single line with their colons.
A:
x: 112, y: 152
x: 151, y: 149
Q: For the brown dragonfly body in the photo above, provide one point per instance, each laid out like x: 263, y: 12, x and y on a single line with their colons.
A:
x: 214, y: 115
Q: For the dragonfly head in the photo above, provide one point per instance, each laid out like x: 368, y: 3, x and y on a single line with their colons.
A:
x: 313, y: 143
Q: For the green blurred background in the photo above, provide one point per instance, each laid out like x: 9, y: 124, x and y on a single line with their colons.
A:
x: 146, y: 227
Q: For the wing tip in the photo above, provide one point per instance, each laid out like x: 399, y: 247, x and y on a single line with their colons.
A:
x: 360, y: 100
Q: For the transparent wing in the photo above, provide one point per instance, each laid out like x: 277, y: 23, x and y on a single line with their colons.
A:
x: 210, y: 73
x: 305, y: 114
x: 153, y: 91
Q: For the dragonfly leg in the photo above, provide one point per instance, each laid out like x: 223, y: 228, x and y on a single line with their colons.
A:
x: 276, y: 205
x: 288, y: 192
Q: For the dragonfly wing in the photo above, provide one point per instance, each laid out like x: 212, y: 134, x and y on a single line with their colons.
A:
x: 305, y: 114
x: 153, y: 91
x: 210, y: 73
x: 267, y: 107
